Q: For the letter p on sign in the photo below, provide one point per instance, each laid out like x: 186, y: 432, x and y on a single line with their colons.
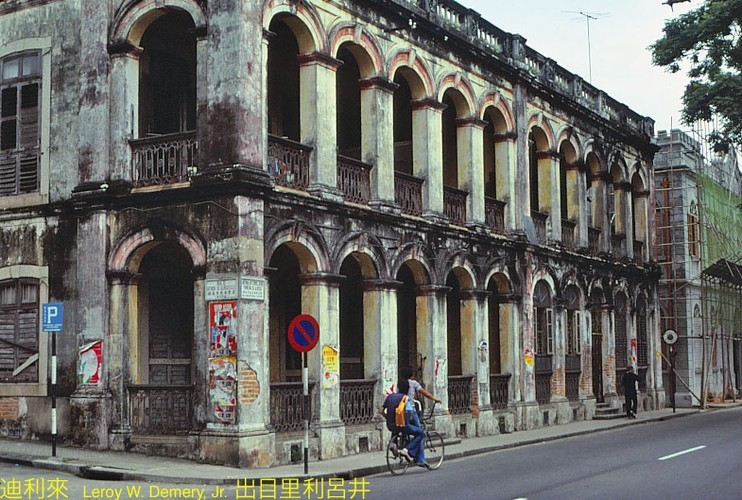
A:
x: 52, y: 315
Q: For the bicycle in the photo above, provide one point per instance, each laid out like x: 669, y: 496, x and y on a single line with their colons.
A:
x: 433, y: 443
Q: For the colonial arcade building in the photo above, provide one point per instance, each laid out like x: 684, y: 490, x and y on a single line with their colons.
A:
x: 188, y: 176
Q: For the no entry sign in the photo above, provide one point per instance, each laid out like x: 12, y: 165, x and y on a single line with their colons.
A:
x: 303, y: 333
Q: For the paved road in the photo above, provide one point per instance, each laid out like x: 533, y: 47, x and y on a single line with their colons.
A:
x: 642, y: 461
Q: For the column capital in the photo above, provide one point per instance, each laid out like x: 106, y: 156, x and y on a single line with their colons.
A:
x: 575, y: 165
x: 471, y: 121
x: 622, y: 186
x: 507, y: 136
x: 474, y: 294
x: 123, y: 277
x: 320, y: 278
x: 378, y: 82
x: 320, y: 59
x: 428, y: 103
x: 433, y: 290
x: 381, y: 285
x: 641, y: 194
x: 508, y: 298
x: 547, y: 154
x: 125, y: 49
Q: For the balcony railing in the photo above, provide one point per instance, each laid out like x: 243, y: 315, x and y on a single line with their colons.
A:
x: 539, y: 222
x: 617, y: 244
x: 454, y: 204
x: 354, y: 180
x: 163, y: 159
x: 499, y: 390
x: 593, y: 240
x: 287, y: 406
x: 357, y: 401
x: 288, y: 162
x: 568, y: 234
x: 494, y: 214
x: 160, y: 409
x: 408, y: 193
x: 638, y: 249
x: 459, y: 394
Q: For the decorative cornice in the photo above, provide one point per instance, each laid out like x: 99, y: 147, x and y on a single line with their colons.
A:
x: 320, y: 59
x: 378, y: 82
x: 428, y: 103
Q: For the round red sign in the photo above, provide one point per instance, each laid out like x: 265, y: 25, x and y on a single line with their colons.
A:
x: 303, y: 333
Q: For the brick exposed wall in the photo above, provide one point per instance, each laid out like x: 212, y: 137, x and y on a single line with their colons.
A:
x: 8, y: 408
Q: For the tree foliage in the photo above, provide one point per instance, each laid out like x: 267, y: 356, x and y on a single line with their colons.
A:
x: 708, y: 38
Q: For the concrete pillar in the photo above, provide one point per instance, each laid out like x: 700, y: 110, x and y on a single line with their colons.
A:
x: 470, y: 139
x: 506, y: 179
x: 380, y: 336
x: 528, y: 413
x: 609, y: 356
x: 620, y: 223
x: 377, y: 139
x: 600, y: 212
x: 124, y: 109
x: 427, y: 154
x: 474, y: 357
x: 553, y: 200
x: 320, y: 297
x: 559, y: 377
x: 640, y: 221
x: 582, y: 206
x: 318, y: 104
x: 432, y: 344
x: 123, y: 355
x: 519, y: 161
x: 510, y: 344
x: 575, y: 202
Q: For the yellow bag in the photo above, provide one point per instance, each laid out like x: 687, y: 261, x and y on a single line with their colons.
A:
x: 399, y: 413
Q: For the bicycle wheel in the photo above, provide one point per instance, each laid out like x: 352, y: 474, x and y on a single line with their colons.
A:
x: 396, y: 463
x: 434, y: 449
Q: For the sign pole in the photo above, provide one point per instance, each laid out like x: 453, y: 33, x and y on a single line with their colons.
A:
x: 305, y: 381
x: 54, y: 394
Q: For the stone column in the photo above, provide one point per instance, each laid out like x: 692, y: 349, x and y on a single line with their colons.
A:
x: 506, y: 179
x: 559, y: 377
x: 470, y: 142
x: 609, y: 356
x: 320, y: 297
x: 587, y: 396
x: 474, y: 357
x: 124, y: 108
x: 377, y: 136
x: 428, y: 154
x: 575, y: 202
x: 432, y: 341
x: 581, y: 215
x: 317, y: 74
x: 600, y: 212
x: 519, y: 161
x: 620, y: 222
x: 380, y: 336
x: 640, y: 221
x: 553, y: 201
x: 528, y: 412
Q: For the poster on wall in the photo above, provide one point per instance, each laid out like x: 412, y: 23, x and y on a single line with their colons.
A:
x: 440, y: 372
x: 91, y: 361
x: 632, y: 361
x: 223, y: 360
x: 331, y: 365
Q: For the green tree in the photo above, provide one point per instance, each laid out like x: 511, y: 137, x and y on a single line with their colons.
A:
x: 708, y: 37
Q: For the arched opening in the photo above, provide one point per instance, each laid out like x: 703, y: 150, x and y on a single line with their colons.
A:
x: 283, y: 82
x: 285, y: 305
x: 498, y: 326
x: 348, y: 97
x: 351, y: 320
x: 597, y: 302
x: 543, y: 335
x: 454, y: 198
x: 495, y: 158
x: 459, y: 341
x: 595, y: 202
x: 639, y: 216
x: 453, y: 316
x: 617, y: 210
x: 568, y: 190
x: 539, y: 180
x: 407, y: 187
x: 622, y: 348
x: 167, y: 75
x: 407, y: 348
x: 160, y: 401
x: 573, y: 343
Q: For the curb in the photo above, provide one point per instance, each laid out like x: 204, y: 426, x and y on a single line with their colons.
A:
x: 98, y: 472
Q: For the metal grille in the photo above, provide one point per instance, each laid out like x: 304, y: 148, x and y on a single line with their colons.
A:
x: 543, y: 388
x: 287, y: 406
x: 539, y: 222
x: 164, y: 159
x: 288, y: 162
x: 357, y: 401
x: 158, y: 409
x: 494, y: 213
x: 454, y: 204
x: 572, y: 385
x: 499, y: 396
x: 459, y: 394
x: 593, y: 240
x: 354, y: 180
x: 408, y: 193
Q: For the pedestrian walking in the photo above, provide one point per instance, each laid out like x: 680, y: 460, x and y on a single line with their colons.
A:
x: 630, y: 389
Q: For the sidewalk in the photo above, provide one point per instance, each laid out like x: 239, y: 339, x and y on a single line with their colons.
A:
x: 113, y: 465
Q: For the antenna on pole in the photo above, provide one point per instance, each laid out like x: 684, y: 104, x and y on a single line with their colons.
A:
x: 589, y: 16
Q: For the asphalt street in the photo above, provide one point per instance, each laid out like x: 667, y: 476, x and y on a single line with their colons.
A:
x: 698, y: 457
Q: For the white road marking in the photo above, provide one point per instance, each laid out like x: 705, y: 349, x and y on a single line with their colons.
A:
x: 689, y: 450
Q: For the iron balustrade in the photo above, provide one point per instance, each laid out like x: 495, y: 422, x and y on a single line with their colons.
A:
x: 163, y: 159
x: 593, y: 240
x: 543, y: 370
x: 354, y: 180
x: 568, y: 234
x: 638, y: 249
x: 494, y: 214
x: 454, y: 204
x: 287, y: 406
x: 459, y: 394
x: 617, y: 244
x: 288, y: 162
x: 160, y: 409
x: 539, y: 222
x: 499, y: 396
x: 408, y: 193
x: 357, y: 401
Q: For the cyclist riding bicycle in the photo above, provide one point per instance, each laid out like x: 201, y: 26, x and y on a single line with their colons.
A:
x: 408, y: 374
x: 415, y: 449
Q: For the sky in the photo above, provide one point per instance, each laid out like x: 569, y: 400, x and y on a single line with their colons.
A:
x: 619, y: 37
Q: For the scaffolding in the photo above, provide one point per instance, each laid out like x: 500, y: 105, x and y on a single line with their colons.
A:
x: 699, y: 250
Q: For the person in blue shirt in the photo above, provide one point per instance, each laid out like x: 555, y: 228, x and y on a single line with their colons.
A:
x: 415, y: 449
x: 408, y: 374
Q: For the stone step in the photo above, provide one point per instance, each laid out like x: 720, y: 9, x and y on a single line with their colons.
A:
x: 607, y: 416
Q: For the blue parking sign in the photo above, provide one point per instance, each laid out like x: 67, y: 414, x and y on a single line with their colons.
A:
x: 51, y: 317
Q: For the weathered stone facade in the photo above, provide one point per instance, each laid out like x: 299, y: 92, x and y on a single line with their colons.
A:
x: 429, y: 188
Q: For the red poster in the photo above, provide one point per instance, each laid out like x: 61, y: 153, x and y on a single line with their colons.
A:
x: 91, y: 360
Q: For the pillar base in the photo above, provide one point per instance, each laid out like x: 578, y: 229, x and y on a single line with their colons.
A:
x: 528, y: 416
x: 385, y: 206
x: 324, y: 192
x: 486, y: 422
x: 331, y: 439
x: 237, y: 447
x: 435, y: 217
x: 90, y: 415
